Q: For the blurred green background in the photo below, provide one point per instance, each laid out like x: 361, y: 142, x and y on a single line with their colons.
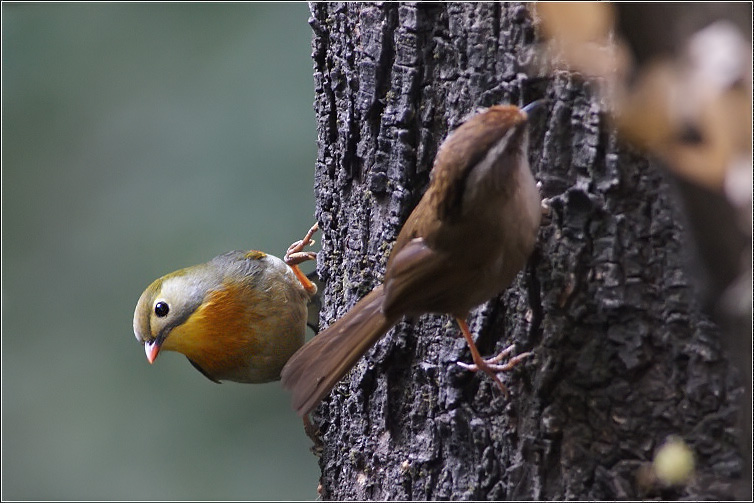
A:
x: 138, y: 139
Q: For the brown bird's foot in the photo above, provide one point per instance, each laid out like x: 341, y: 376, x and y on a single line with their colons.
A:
x: 493, y: 363
x: 490, y: 366
x: 295, y: 255
x: 313, y: 433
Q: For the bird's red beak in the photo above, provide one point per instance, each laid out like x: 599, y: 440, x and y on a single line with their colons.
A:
x: 152, y: 349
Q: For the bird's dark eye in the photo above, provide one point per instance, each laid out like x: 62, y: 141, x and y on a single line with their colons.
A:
x: 161, y: 309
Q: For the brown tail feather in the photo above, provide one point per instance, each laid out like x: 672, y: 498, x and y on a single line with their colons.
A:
x: 315, y: 368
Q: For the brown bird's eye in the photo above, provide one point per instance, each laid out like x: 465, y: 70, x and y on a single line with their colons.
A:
x: 161, y: 309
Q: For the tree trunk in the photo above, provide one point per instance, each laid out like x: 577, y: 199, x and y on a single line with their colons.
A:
x: 624, y: 356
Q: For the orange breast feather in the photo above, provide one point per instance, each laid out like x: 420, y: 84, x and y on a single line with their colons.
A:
x: 222, y: 334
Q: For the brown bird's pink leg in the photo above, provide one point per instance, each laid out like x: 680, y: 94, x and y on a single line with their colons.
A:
x: 489, y: 366
x: 295, y: 255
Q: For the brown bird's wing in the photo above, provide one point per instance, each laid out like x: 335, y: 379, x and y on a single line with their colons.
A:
x: 417, y: 282
x: 315, y: 368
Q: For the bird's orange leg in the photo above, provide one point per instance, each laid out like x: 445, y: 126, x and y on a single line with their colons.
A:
x: 295, y: 255
x: 489, y: 366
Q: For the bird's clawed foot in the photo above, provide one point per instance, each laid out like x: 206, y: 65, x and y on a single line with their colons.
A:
x: 295, y: 254
x: 492, y: 366
x: 493, y: 363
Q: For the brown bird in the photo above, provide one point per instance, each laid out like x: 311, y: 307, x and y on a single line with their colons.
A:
x: 465, y: 241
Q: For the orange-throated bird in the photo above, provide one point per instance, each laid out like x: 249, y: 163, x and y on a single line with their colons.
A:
x: 238, y: 317
x: 465, y: 241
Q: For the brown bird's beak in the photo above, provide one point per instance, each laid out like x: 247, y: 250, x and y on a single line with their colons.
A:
x: 534, y: 105
x: 152, y: 349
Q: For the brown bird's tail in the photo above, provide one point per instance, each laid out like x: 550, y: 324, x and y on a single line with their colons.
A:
x: 315, y: 368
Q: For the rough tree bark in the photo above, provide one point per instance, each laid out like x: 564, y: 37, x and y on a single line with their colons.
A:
x: 624, y: 357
